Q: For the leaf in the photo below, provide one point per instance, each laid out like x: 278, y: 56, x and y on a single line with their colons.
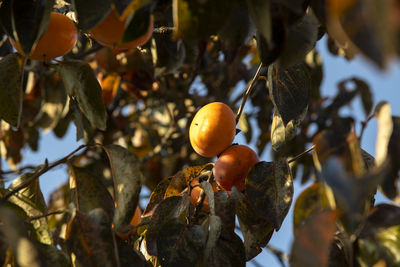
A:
x: 300, y: 39
x: 53, y: 102
x: 381, y: 217
x: 157, y: 196
x: 130, y: 257
x: 32, y: 202
x: 289, y: 89
x: 88, y: 16
x: 29, y: 20
x: 245, y: 127
x: 179, y: 244
x: 195, y: 20
x: 138, y: 24
x: 121, y: 5
x: 88, y: 192
x: 16, y: 235
x: 10, y: 94
x: 260, y: 15
x: 228, y: 251
x: 312, y: 242
x: 127, y: 183
x: 310, y: 201
x: 270, y: 51
x: 269, y: 188
x: 213, y: 235
x: 353, y: 195
x: 81, y: 83
x: 90, y: 238
x: 366, y: 95
x: 83, y: 127
x: 168, y: 210
x: 281, y: 133
x: 51, y: 256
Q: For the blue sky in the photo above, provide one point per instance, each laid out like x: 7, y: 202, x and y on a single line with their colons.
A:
x: 383, y: 84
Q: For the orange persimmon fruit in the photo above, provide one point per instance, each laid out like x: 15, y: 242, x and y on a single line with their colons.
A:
x: 213, y: 129
x: 233, y: 165
x: 58, y: 39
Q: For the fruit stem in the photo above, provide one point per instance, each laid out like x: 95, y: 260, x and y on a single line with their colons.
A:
x: 301, y: 154
x: 248, y: 91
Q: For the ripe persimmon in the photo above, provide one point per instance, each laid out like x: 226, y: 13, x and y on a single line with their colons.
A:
x: 233, y: 165
x: 58, y: 39
x: 213, y: 129
x: 109, y: 32
x: 196, y: 191
x: 135, y: 221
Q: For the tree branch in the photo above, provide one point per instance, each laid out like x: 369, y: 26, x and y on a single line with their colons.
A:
x: 46, y: 167
x: 301, y: 154
x: 247, y: 92
x: 46, y: 215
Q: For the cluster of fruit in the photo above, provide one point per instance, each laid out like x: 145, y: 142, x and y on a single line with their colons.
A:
x: 211, y: 134
x: 61, y: 36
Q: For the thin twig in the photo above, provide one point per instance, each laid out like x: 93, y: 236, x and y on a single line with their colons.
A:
x: 301, y: 154
x: 279, y: 255
x: 247, y: 93
x: 46, y: 167
x: 164, y: 30
x: 364, y: 125
x: 46, y: 215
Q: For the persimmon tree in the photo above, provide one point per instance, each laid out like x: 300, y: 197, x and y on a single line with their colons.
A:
x: 132, y: 94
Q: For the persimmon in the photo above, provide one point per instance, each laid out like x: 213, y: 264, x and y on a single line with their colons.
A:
x: 196, y: 191
x: 109, y: 32
x: 213, y: 129
x: 233, y: 165
x: 109, y: 85
x: 135, y: 221
x: 58, y: 39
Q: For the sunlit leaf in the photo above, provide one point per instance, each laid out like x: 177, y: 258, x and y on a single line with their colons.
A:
x: 10, y: 78
x: 127, y: 183
x: 81, y: 83
x: 281, y: 133
x: 313, y: 239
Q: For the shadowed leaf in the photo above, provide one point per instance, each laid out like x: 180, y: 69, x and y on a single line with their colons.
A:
x: 269, y: 188
x: 90, y: 238
x: 157, y: 196
x: 139, y: 23
x: 81, y: 83
x: 89, y: 17
x: 88, y: 192
x: 127, y: 183
x: 260, y: 15
x: 10, y: 77
x: 29, y: 20
x: 130, y: 257
x: 167, y: 210
x: 179, y: 244
x: 289, y: 91
x: 312, y: 242
x: 228, y: 251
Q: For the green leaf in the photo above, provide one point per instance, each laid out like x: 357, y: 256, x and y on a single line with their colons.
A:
x: 88, y: 192
x: 269, y: 188
x: 179, y: 244
x: 381, y: 217
x: 259, y: 11
x: 127, y: 183
x: 157, y: 196
x: 312, y: 242
x: 31, y: 200
x: 10, y: 94
x: 168, y: 210
x: 138, y: 24
x: 29, y: 20
x: 310, y: 201
x: 81, y: 83
x: 91, y: 13
x: 300, y: 39
x: 289, y: 91
x: 245, y: 127
x: 90, y: 238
